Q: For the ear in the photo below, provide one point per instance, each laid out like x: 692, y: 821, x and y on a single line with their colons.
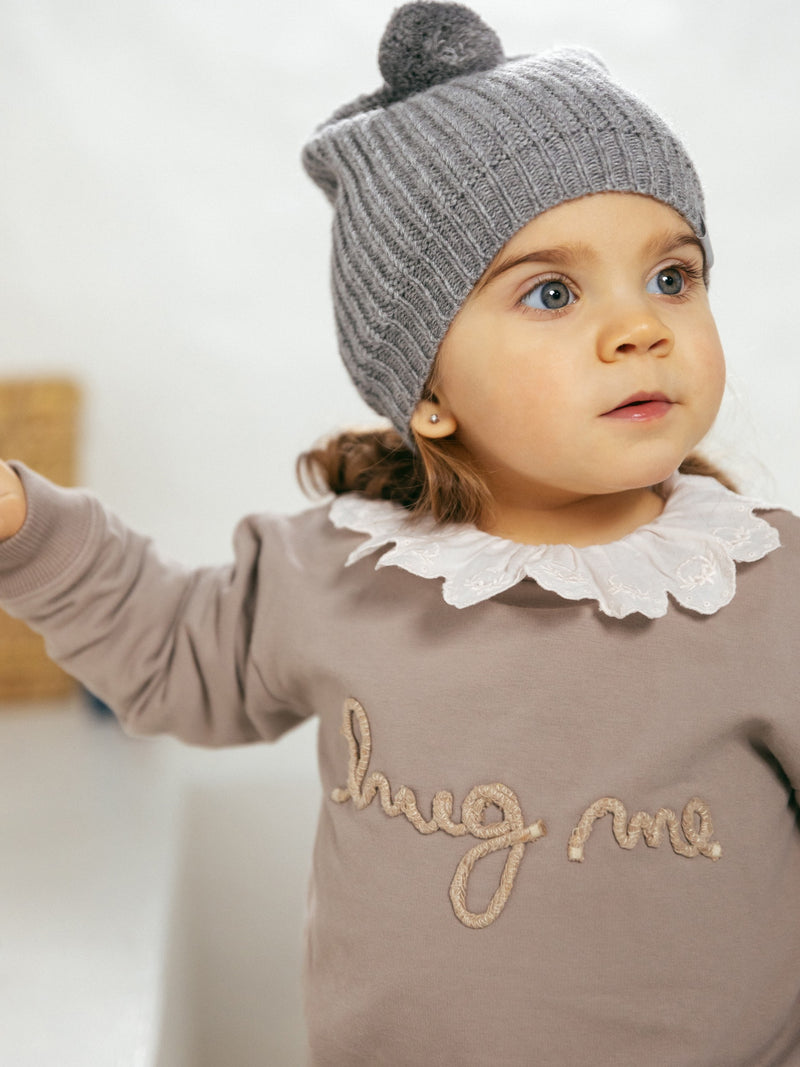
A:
x: 433, y: 419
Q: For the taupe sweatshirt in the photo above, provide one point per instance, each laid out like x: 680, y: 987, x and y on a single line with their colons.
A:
x: 547, y: 836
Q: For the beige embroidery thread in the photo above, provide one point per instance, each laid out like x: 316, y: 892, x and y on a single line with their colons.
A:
x: 509, y: 832
x: 698, y: 841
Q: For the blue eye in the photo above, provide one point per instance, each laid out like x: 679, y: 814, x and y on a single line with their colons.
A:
x: 669, y: 282
x: 549, y: 296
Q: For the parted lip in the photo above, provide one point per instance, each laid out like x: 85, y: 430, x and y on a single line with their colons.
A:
x: 640, y: 398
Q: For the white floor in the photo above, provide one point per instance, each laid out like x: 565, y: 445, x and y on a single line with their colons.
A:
x: 151, y: 905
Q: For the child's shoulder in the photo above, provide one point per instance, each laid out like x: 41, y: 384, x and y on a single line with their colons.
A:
x: 775, y: 579
x: 788, y: 526
x: 307, y: 535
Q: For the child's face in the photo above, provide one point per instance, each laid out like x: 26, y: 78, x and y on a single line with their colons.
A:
x: 603, y: 302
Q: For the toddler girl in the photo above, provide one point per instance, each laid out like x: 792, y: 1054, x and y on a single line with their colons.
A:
x: 555, y: 677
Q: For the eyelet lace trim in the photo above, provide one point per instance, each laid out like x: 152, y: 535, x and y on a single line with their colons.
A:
x: 689, y: 552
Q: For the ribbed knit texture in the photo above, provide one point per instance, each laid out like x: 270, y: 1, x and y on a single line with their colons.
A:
x: 426, y: 190
x: 41, y: 553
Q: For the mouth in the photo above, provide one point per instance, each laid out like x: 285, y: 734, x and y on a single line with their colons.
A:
x: 641, y: 407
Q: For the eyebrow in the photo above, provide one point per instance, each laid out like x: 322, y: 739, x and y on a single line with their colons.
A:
x: 563, y: 256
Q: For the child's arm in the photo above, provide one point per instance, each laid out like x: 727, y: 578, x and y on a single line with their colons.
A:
x: 169, y: 648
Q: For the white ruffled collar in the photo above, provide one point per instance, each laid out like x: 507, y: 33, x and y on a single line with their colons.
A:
x: 689, y: 552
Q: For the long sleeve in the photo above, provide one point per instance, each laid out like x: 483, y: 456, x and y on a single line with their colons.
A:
x: 167, y: 647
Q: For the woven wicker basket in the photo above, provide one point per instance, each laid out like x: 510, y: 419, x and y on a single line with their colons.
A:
x: 38, y: 425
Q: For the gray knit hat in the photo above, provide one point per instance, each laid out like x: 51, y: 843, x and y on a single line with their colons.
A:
x: 433, y: 173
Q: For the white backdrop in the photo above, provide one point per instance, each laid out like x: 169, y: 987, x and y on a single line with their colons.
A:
x: 161, y: 242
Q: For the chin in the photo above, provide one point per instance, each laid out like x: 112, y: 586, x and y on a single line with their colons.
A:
x: 654, y: 469
x: 654, y: 475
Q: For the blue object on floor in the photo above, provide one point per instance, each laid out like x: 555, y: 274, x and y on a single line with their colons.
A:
x: 97, y: 705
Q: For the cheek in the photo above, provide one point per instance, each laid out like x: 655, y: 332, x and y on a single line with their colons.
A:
x: 713, y: 372
x: 474, y: 380
x: 518, y: 399
x: 703, y: 364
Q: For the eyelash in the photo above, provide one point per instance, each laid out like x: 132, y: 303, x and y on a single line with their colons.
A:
x: 543, y: 280
x: 692, y: 275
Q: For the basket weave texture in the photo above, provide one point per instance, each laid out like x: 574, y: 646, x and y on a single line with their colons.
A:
x: 39, y: 426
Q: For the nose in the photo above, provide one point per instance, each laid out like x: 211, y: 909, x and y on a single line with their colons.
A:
x: 634, y: 330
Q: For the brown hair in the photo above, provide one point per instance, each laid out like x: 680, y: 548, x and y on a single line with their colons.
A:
x: 437, y: 479
x: 432, y: 480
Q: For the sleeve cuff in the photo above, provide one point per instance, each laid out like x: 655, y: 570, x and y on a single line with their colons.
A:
x: 57, y: 529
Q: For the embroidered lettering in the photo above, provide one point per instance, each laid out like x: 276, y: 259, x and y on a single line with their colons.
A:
x: 697, y: 838
x: 509, y: 832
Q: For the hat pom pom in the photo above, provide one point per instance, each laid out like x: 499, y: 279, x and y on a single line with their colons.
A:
x: 428, y: 43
